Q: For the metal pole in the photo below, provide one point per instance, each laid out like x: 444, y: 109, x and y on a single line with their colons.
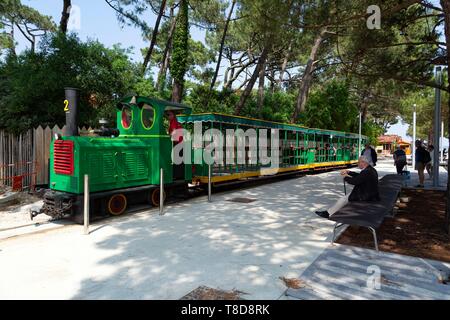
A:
x: 161, y: 192
x: 359, y: 140
x: 442, y: 142
x: 86, y: 204
x: 414, y: 139
x: 209, y: 183
x: 437, y: 127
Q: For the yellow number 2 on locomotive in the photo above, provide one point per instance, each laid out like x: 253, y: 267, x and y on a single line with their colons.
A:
x: 66, y: 105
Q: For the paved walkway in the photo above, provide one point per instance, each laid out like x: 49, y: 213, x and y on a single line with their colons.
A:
x: 428, y: 182
x: 344, y: 272
x: 223, y: 245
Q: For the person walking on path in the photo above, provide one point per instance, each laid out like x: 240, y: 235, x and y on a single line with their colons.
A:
x: 422, y: 158
x: 399, y: 159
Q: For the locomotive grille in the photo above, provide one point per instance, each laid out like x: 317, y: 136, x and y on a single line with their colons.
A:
x: 63, y: 157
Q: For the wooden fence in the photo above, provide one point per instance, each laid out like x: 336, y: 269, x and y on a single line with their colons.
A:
x: 16, y: 158
x: 28, y: 154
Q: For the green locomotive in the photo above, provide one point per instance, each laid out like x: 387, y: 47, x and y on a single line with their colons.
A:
x: 121, y: 168
x: 124, y: 164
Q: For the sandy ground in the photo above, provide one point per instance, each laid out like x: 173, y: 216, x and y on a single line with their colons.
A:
x: 223, y: 245
x: 17, y: 214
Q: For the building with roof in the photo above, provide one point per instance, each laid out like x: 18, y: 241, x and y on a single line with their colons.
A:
x: 387, y: 144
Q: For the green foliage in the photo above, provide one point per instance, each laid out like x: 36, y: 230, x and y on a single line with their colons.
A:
x: 180, y: 51
x: 372, y: 130
x: 198, y: 59
x: 208, y: 13
x: 32, y: 86
x: 368, y: 65
x: 30, y: 22
x: 203, y: 100
x: 144, y: 87
x: 278, y: 106
x: 402, y: 49
x: 424, y: 99
x: 22, y: 14
x: 5, y: 40
x: 331, y: 108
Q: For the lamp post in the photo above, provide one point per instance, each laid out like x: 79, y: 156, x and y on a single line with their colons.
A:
x: 442, y: 142
x: 414, y: 138
x: 359, y: 140
x: 437, y: 125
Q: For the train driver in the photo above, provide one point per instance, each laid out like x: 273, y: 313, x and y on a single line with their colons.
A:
x: 174, y: 125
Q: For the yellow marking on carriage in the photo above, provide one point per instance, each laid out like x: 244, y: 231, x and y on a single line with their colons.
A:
x: 270, y: 171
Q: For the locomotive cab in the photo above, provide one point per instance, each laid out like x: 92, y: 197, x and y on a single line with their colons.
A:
x: 143, y: 118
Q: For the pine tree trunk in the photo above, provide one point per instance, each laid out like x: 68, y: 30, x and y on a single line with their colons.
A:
x: 252, y: 81
x: 262, y: 76
x: 177, y: 91
x: 154, y: 35
x: 305, y: 85
x: 222, y: 43
x: 65, y: 16
x: 284, y: 66
x: 13, y: 41
x: 272, y: 81
x: 33, y: 44
x: 363, y: 113
x: 162, y: 74
x: 446, y: 7
x: 180, y: 51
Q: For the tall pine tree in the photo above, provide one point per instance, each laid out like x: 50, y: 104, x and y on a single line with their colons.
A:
x: 180, y: 51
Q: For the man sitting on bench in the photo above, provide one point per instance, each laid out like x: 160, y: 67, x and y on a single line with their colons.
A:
x: 366, y: 187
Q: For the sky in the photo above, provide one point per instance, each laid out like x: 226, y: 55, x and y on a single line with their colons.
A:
x: 94, y: 19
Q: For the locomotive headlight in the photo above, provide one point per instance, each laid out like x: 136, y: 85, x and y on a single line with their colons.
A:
x: 57, y: 136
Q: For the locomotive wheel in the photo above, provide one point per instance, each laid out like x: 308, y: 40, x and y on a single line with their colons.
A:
x: 117, y: 204
x: 154, y: 197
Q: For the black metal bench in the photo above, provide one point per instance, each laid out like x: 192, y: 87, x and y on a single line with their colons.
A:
x: 370, y: 214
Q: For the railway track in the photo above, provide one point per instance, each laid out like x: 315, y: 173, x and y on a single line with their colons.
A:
x: 193, y: 192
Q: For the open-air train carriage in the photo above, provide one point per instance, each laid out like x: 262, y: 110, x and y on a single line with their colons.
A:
x: 300, y: 148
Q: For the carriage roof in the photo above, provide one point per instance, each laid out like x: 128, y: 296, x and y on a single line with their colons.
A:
x: 252, y: 122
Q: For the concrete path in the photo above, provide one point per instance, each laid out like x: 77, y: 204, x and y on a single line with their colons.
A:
x: 222, y: 245
x: 428, y: 182
x: 344, y: 272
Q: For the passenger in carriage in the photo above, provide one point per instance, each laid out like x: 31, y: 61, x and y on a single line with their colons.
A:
x: 353, y: 151
x: 333, y: 151
x: 327, y: 152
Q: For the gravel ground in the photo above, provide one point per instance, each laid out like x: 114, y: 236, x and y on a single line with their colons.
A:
x: 17, y: 214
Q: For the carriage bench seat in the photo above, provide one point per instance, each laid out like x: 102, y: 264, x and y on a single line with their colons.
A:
x: 370, y: 214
